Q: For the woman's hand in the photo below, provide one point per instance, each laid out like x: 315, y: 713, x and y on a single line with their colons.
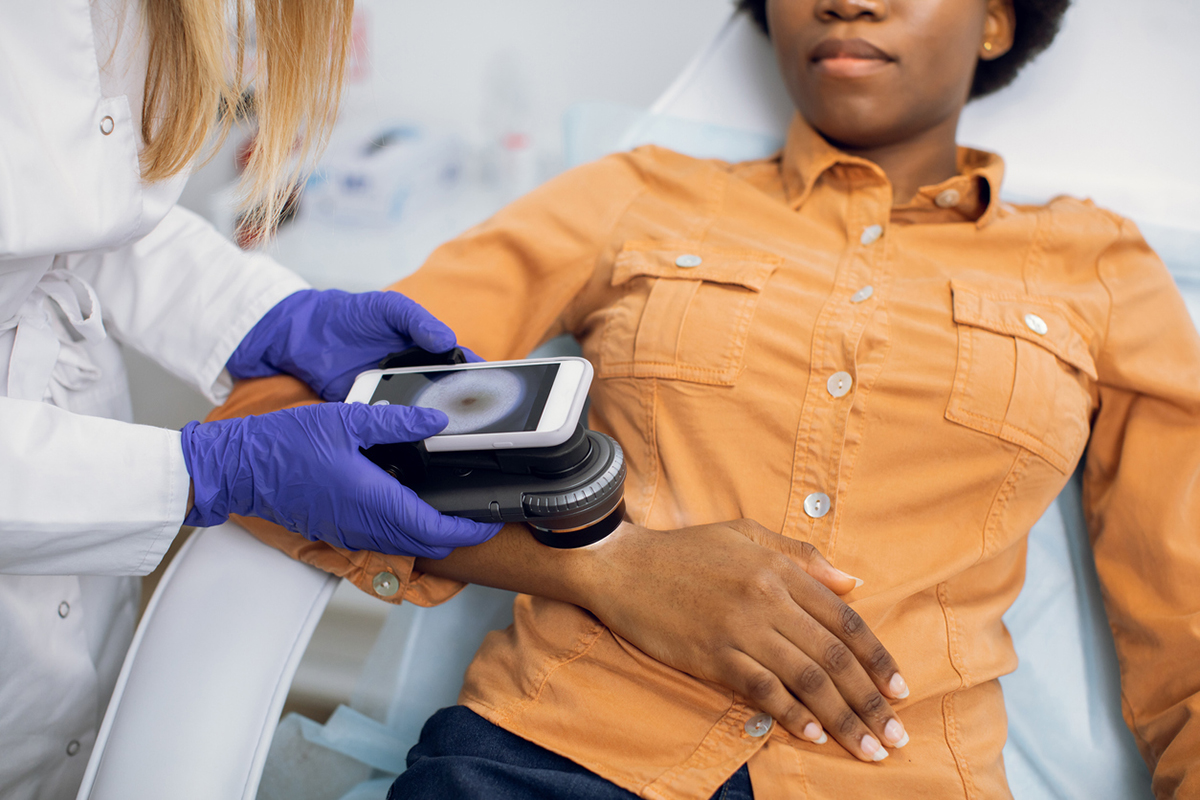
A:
x: 759, y: 613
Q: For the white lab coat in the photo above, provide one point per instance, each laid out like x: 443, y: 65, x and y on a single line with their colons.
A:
x: 89, y: 256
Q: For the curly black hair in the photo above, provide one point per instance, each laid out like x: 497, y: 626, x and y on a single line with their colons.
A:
x: 1038, y: 22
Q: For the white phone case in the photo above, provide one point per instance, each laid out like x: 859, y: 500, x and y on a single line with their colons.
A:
x: 557, y: 422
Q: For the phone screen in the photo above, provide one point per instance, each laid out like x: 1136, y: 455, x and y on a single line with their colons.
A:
x: 479, y: 400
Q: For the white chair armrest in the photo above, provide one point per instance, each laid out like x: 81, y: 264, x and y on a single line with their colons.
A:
x: 203, y: 685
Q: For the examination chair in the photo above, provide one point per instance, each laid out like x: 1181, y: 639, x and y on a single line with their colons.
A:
x: 198, y: 701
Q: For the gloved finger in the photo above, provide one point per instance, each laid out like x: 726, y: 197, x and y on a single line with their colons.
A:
x: 418, y: 520
x: 401, y: 545
x: 472, y: 356
x: 410, y: 319
x: 339, y: 388
x: 372, y: 425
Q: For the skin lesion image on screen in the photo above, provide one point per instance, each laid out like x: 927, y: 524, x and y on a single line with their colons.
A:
x: 488, y: 400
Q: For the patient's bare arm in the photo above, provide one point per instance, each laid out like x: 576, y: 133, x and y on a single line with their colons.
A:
x: 730, y: 602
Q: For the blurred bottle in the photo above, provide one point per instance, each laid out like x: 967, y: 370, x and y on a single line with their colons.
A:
x: 511, y: 159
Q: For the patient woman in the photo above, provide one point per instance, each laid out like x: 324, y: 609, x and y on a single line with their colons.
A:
x: 853, y: 354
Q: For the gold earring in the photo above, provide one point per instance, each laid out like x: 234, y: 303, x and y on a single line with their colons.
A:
x: 987, y: 46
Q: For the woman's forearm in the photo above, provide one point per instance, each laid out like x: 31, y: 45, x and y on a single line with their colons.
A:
x: 515, y: 561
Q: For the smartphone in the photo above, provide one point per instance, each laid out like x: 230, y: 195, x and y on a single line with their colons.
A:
x: 491, y: 405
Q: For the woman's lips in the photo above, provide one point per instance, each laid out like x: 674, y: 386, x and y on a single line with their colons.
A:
x: 849, y: 58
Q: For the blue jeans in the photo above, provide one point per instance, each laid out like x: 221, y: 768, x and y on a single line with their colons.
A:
x: 462, y: 756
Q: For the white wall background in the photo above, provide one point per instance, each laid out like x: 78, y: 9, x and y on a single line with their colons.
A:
x: 431, y: 59
x: 1111, y: 111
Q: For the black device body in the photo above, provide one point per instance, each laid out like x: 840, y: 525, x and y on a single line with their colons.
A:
x: 570, y: 494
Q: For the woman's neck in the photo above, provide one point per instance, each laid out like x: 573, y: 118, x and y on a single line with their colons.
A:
x: 925, y: 159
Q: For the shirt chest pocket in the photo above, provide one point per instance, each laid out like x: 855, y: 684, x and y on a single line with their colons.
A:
x: 684, y: 313
x: 1024, y: 372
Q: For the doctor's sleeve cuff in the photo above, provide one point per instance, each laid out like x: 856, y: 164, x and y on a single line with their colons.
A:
x: 271, y: 285
x: 86, y: 495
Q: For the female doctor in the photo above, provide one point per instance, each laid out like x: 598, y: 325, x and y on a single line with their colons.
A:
x: 104, y: 106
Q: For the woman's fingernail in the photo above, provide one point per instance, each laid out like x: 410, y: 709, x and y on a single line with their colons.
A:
x: 898, y: 687
x: 894, y: 732
x: 872, y: 749
x: 814, y: 733
x: 848, y: 577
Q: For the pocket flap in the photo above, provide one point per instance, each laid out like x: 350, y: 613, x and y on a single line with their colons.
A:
x: 747, y: 268
x: 1046, y: 321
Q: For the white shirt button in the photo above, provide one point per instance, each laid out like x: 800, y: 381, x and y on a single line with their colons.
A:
x: 72, y: 747
x: 688, y: 261
x: 1036, y: 324
x: 107, y: 125
x: 64, y: 608
x: 871, y: 234
x: 839, y: 384
x: 948, y: 199
x: 817, y: 505
x: 385, y: 584
x: 862, y: 295
x: 759, y: 725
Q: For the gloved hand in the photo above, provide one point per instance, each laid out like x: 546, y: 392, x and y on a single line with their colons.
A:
x: 327, y: 338
x: 301, y: 468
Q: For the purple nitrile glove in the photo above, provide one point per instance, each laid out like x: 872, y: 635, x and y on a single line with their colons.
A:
x: 301, y: 468
x: 327, y: 338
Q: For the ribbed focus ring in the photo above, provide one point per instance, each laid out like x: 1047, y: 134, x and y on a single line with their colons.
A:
x: 591, y: 494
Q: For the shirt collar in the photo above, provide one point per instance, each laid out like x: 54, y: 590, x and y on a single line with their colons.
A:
x: 807, y: 156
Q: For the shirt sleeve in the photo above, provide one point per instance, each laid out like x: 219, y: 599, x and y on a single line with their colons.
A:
x: 1142, y: 498
x: 84, y: 495
x: 503, y: 287
x: 185, y: 296
x: 510, y: 284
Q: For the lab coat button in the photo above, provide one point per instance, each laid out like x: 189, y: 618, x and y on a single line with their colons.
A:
x: 1036, y: 324
x: 64, y: 608
x: 871, y: 234
x: 817, y: 505
x: 839, y: 384
x: 688, y: 261
x: 72, y: 747
x: 948, y: 199
x: 107, y: 125
x: 862, y: 295
x: 386, y: 584
x: 759, y: 725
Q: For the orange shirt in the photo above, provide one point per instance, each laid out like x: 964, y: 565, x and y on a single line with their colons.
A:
x: 934, y: 370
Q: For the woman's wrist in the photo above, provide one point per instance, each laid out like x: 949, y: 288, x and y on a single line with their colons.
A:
x: 515, y: 561
x: 597, y: 568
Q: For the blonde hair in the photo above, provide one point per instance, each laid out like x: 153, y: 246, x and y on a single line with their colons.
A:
x: 197, y: 80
